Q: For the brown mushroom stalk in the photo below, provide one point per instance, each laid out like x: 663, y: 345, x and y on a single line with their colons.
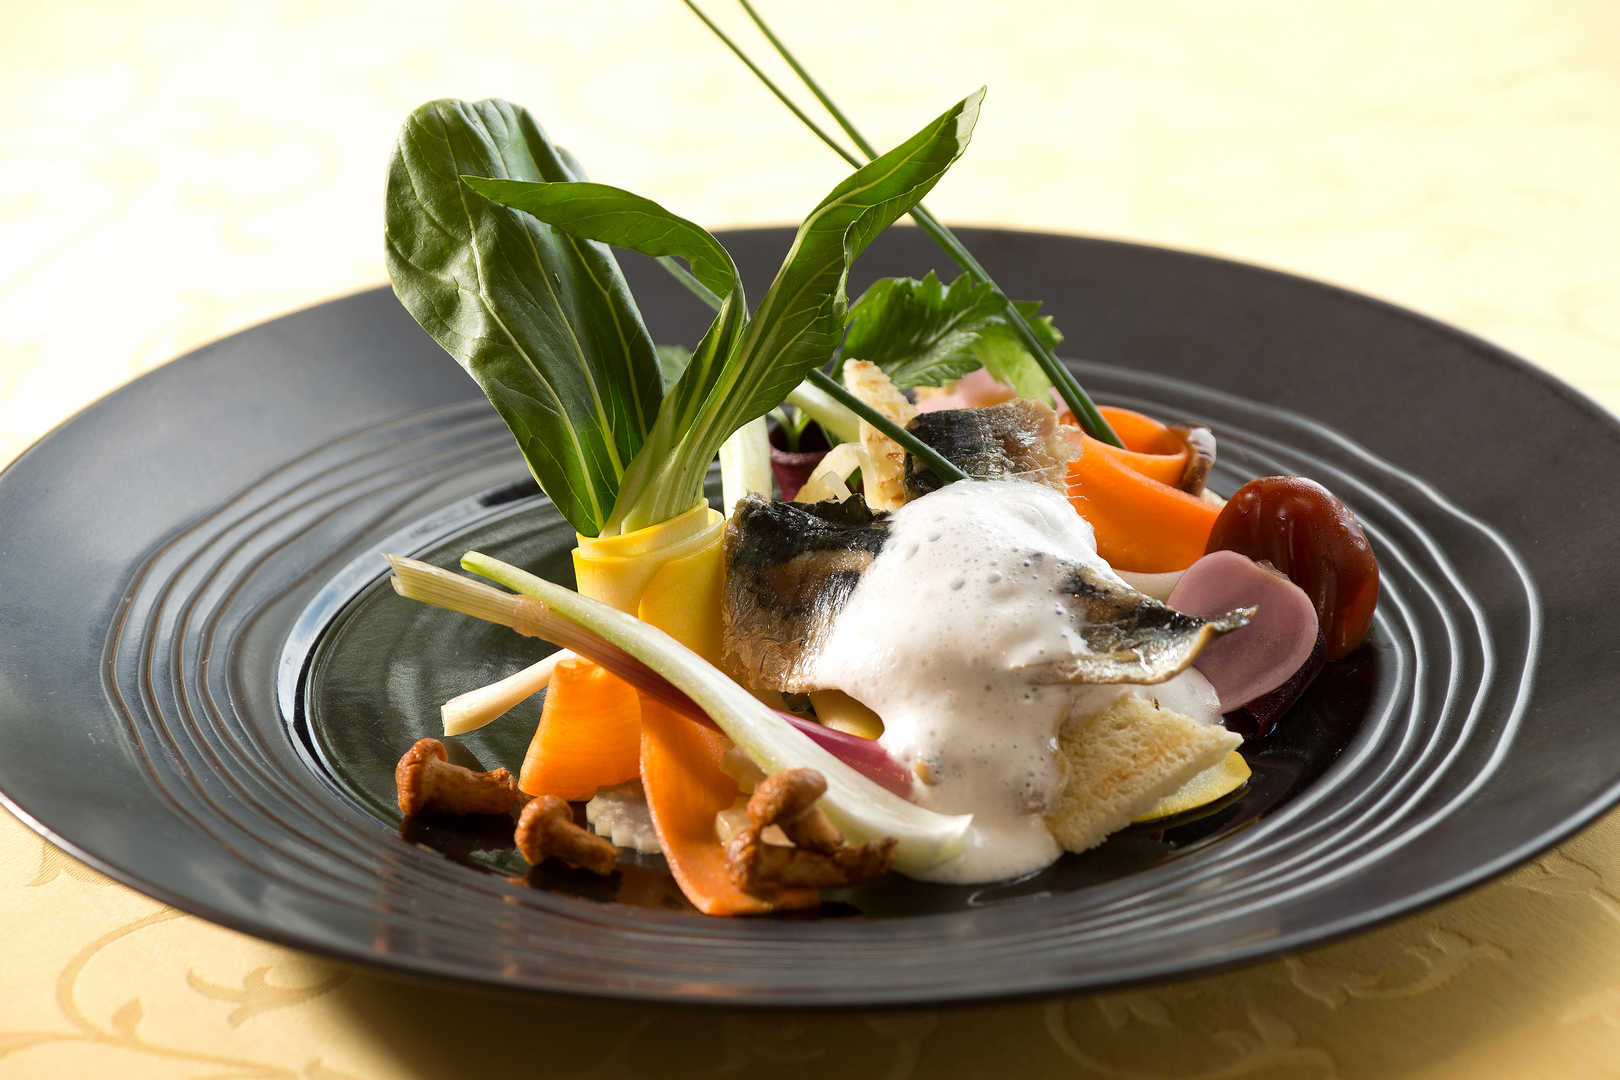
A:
x: 788, y: 801
x: 546, y: 830
x: 1200, y: 456
x: 425, y: 780
x: 819, y: 858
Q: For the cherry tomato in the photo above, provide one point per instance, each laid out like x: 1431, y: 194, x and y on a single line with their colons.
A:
x: 1303, y: 530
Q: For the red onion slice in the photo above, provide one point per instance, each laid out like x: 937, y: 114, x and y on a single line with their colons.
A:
x: 1252, y: 662
x: 865, y: 756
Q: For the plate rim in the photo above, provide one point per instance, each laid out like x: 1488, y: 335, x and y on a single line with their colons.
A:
x: 1234, y: 958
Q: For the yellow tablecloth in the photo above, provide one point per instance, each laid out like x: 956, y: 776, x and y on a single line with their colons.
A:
x: 170, y: 172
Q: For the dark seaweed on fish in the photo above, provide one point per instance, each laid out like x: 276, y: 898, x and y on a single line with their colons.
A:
x: 790, y: 568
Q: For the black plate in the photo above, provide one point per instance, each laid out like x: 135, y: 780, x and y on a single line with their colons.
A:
x: 201, y: 683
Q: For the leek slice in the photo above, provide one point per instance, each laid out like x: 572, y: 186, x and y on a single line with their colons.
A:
x: 745, y: 464
x: 477, y: 708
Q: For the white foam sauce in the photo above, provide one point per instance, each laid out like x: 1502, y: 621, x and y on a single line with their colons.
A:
x: 966, y: 591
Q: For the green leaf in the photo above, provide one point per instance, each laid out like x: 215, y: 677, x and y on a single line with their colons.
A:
x: 615, y: 216
x: 923, y: 334
x: 797, y: 325
x: 742, y: 369
x: 1003, y: 354
x: 918, y: 332
x: 541, y: 319
x: 672, y: 360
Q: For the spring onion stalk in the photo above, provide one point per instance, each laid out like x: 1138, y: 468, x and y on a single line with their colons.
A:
x: 1078, y: 401
x: 936, y: 462
x: 476, y: 708
x: 862, y: 808
x: 745, y: 463
x: 429, y: 584
x: 824, y: 409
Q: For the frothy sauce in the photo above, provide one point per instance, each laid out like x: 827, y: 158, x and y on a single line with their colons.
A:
x: 966, y: 593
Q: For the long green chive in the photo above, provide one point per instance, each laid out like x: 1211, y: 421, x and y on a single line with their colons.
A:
x: 1079, y: 402
x: 936, y: 462
x: 688, y: 279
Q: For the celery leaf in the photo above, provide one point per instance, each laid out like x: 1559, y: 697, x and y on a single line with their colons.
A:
x: 922, y: 333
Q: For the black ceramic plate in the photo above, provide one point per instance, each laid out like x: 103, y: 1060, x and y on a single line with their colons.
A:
x: 203, y: 682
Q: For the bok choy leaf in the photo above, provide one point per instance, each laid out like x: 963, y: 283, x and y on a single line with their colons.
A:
x: 672, y: 360
x: 542, y: 319
x: 743, y: 367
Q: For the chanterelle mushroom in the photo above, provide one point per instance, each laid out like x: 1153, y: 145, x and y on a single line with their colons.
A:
x: 546, y: 830
x: 425, y: 780
x: 820, y: 859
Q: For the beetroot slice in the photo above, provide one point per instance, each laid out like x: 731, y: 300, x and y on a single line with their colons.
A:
x: 1252, y: 662
x: 1260, y: 715
x: 793, y: 469
x: 1308, y: 534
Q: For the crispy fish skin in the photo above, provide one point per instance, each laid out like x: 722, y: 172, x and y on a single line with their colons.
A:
x: 790, y: 568
x: 1129, y: 637
x: 1017, y: 439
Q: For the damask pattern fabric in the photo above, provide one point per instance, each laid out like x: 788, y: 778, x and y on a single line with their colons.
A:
x: 174, y: 171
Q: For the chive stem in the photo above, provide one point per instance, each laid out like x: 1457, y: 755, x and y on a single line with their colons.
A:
x: 687, y: 278
x: 936, y: 462
x: 773, y: 88
x: 810, y: 83
x: 1079, y: 402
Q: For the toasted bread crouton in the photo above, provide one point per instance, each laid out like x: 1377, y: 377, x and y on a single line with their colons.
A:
x: 1122, y: 760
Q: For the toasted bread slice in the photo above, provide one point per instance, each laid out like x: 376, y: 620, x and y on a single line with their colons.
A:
x: 1124, y: 759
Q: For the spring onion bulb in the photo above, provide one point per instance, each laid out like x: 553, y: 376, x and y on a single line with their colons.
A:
x: 415, y: 580
x: 476, y: 708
